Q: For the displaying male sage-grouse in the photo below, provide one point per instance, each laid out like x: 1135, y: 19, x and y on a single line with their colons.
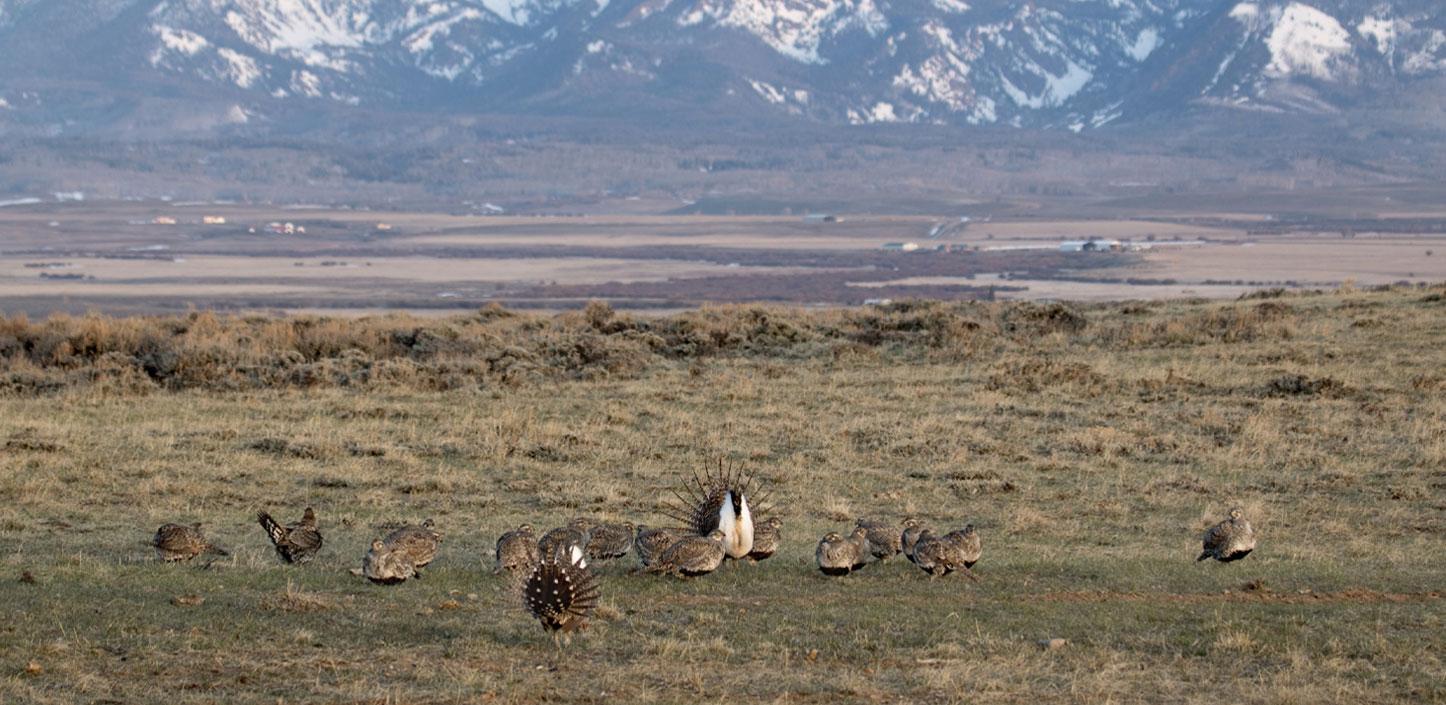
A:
x: 1230, y: 540
x: 386, y: 565
x: 766, y: 537
x: 561, y: 592
x: 837, y: 555
x: 419, y: 543
x: 692, y: 556
x: 295, y: 543
x: 609, y: 541
x: 651, y: 542
x: 182, y: 542
x: 726, y: 500
x: 884, y: 541
x: 910, y: 536
x: 575, y: 534
x: 516, y: 550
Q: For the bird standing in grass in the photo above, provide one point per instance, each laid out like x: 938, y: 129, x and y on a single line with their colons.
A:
x: 574, y: 534
x: 386, y: 565
x: 766, y: 538
x: 1230, y: 540
x: 182, y: 542
x: 608, y: 541
x: 860, y: 539
x: 418, y: 543
x: 942, y: 555
x: 967, y: 545
x: 692, y: 555
x: 650, y: 542
x: 726, y: 499
x: 561, y: 592
x: 837, y: 555
x: 883, y: 541
x: 516, y: 550
x: 910, y: 536
x: 295, y: 543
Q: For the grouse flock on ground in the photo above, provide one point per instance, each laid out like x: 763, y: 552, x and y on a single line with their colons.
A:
x: 717, y: 510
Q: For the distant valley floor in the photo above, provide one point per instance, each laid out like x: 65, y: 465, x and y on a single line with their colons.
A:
x: 144, y: 257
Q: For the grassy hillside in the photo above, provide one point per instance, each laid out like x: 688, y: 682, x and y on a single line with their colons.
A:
x: 1090, y: 445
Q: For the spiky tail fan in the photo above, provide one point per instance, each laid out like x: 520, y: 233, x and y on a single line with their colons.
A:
x: 702, y: 495
x: 273, y: 529
x: 561, y: 592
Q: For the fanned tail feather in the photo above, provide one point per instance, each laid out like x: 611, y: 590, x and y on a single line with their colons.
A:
x: 700, y: 497
x: 561, y: 592
x: 273, y: 529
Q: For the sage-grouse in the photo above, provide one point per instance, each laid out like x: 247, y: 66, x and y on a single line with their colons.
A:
x: 182, y: 542
x: 561, y: 592
x: 609, y: 541
x: 1230, y: 540
x: 295, y: 543
x: 860, y: 539
x: 910, y: 536
x: 575, y: 534
x: 837, y: 555
x: 692, y: 556
x: 516, y: 550
x: 884, y: 541
x: 942, y: 555
x: 766, y: 537
x: 419, y: 543
x: 967, y: 544
x: 928, y: 549
x: 386, y: 565
x: 725, y: 500
x: 651, y: 542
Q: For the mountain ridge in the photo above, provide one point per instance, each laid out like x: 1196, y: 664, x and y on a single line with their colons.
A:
x: 1048, y: 64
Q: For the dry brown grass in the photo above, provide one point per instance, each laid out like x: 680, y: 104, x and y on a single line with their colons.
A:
x: 1089, y: 453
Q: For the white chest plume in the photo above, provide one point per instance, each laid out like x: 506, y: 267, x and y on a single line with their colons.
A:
x: 736, y: 524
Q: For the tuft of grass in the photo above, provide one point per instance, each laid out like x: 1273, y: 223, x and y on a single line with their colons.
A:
x: 294, y: 599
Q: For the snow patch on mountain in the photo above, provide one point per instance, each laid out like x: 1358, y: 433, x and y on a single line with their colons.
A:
x: 1248, y: 14
x: 515, y: 11
x: 424, y: 38
x: 1058, y: 88
x: 643, y: 10
x: 239, y: 68
x: 1381, y: 31
x: 1307, y: 41
x: 1145, y: 44
x: 180, y: 40
x: 297, y: 27
x: 306, y: 83
x: 767, y: 91
x: 879, y: 112
x: 1431, y: 57
x: 794, y: 28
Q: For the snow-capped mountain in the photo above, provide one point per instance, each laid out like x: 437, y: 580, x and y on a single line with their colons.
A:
x: 1063, y: 63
